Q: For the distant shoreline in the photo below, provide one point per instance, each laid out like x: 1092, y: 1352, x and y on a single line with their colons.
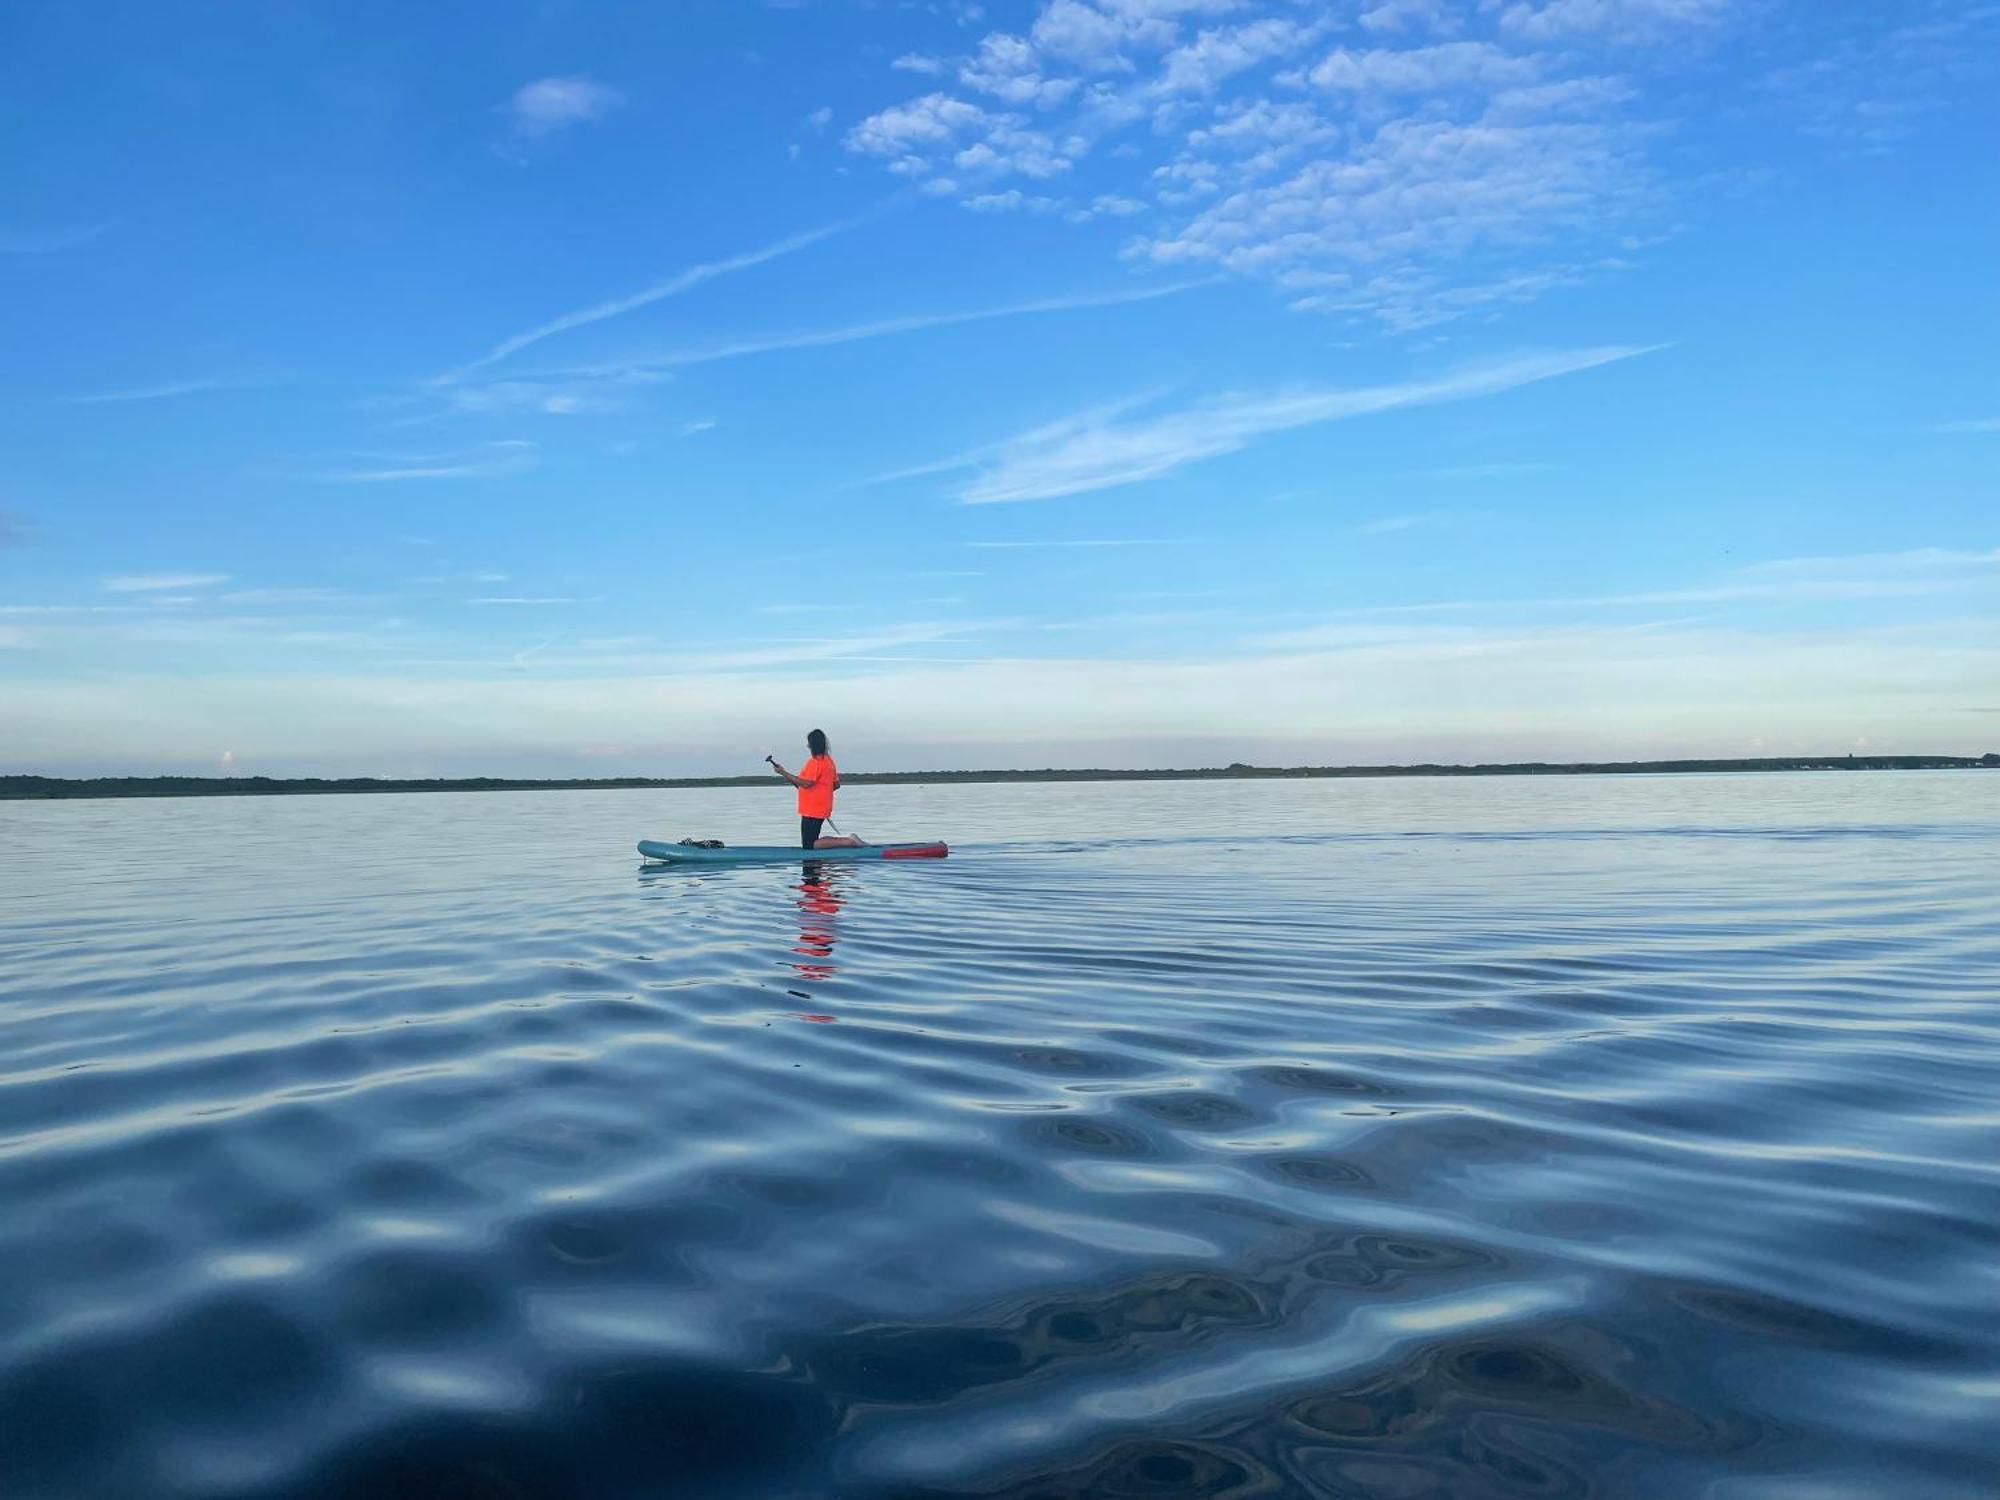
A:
x: 52, y: 788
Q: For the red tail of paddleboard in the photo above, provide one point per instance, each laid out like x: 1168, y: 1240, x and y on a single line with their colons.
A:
x: 915, y: 851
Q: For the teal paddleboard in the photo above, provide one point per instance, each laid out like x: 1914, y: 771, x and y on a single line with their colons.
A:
x: 761, y: 854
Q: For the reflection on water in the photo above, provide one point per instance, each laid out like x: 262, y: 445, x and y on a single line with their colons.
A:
x: 1410, y: 1141
x: 819, y: 903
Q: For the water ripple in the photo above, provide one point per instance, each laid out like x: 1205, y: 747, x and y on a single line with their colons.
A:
x: 1583, y: 1137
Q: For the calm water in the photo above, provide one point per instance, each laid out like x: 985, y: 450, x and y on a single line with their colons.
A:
x: 1419, y: 1140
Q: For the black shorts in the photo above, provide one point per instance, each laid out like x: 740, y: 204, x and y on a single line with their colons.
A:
x: 809, y: 831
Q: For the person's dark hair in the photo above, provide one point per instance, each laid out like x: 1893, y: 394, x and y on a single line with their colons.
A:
x: 816, y: 741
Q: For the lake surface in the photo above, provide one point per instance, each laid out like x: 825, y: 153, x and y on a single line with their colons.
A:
x: 1412, y: 1139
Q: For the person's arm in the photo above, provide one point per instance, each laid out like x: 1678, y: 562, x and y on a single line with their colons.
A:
x: 797, y: 781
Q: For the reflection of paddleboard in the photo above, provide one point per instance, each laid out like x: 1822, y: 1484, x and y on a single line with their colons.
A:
x: 758, y: 854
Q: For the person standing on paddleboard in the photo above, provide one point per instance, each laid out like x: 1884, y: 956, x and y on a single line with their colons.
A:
x: 817, y: 781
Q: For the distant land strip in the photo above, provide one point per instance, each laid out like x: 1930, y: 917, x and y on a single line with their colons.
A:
x: 22, y: 788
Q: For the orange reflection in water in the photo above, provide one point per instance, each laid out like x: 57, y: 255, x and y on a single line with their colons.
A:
x: 819, y: 902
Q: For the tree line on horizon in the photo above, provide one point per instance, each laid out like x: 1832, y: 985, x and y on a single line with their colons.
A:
x: 27, y: 787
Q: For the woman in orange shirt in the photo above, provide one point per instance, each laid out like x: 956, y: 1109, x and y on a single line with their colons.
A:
x: 817, y: 781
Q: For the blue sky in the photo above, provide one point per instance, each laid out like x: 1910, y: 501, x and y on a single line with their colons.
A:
x: 597, y: 389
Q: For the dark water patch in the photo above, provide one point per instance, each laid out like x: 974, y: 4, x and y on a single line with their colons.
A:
x: 888, y: 1365
x: 1328, y: 1172
x: 1313, y: 1080
x: 1097, y: 1137
x: 1489, y: 1417
x: 1193, y: 1109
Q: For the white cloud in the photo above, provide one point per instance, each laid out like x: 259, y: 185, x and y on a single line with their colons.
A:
x: 1422, y: 70
x: 917, y: 137
x: 820, y: 118
x: 549, y: 105
x: 915, y: 62
x: 161, y: 392
x: 1010, y: 149
x: 1587, y: 97
x: 1384, y: 525
x: 1977, y: 424
x: 1921, y: 573
x: 1116, y: 541
x: 488, y: 461
x: 1013, y: 201
x: 1100, y: 38
x: 1628, y: 21
x: 933, y: 121
x: 1100, y: 449
x: 535, y: 600
x: 1007, y: 68
x: 267, y: 596
x: 1920, y: 561
x: 1411, y: 15
x: 571, y: 394
x: 1385, y: 226
x: 148, y: 583
x: 1264, y: 127
x: 672, y: 286
x: 1094, y: 40
x: 1204, y: 64
x: 885, y: 328
x: 1453, y: 156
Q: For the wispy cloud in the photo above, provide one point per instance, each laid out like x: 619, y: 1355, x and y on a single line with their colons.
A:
x: 550, y: 398
x: 47, y: 241
x: 855, y: 647
x: 1917, y: 561
x: 1482, y: 471
x: 1383, y: 525
x: 1977, y: 424
x: 488, y: 461
x: 549, y: 105
x: 165, y: 390
x: 149, y: 606
x: 1870, y: 90
x: 268, y: 596
x: 1920, y: 573
x: 1116, y: 541
x: 672, y: 286
x: 147, y: 583
x: 14, y: 530
x: 530, y: 599
x: 1092, y: 452
x: 817, y: 338
x: 522, y: 657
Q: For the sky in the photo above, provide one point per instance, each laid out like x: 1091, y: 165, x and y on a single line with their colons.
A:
x: 604, y: 389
